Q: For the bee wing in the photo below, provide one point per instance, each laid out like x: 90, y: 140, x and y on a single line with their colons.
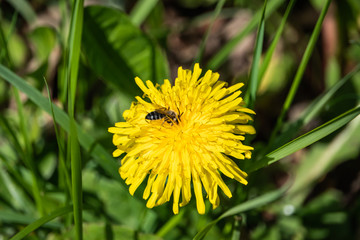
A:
x: 162, y: 110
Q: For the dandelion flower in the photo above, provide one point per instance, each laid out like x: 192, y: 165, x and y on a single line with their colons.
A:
x: 184, y: 137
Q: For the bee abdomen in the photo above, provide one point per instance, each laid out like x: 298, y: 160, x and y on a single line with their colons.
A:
x: 155, y: 116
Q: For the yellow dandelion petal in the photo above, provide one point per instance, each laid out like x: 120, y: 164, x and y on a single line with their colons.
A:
x: 217, y: 202
x: 246, y: 129
x: 198, y: 193
x: 196, y: 74
x: 141, y: 85
x: 117, y: 153
x: 183, y: 139
x: 246, y: 110
x: 214, y: 78
x: 185, y: 191
x: 143, y: 102
x: 151, y: 202
x: 177, y: 195
x: 235, y: 87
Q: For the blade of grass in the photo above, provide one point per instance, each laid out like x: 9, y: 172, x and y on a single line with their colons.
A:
x: 309, y: 171
x: 217, y: 11
x: 254, y: 72
x: 169, y: 225
x: 76, y: 178
x: 306, y: 139
x: 62, y: 68
x: 141, y: 10
x: 11, y: 217
x: 299, y: 74
x: 274, y: 43
x: 38, y: 223
x: 245, y: 206
x: 28, y: 153
x: 72, y: 73
x: 236, y: 232
x: 216, y: 61
x: 62, y: 168
x: 74, y: 50
x: 313, y: 110
x: 25, y: 9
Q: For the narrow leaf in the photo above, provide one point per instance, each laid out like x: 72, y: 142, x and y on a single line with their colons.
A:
x: 170, y: 224
x: 141, y: 10
x: 274, y: 43
x: 216, y: 61
x: 11, y: 217
x: 38, y: 223
x: 306, y: 139
x: 76, y: 26
x: 246, y: 206
x: 299, y: 74
x: 312, y: 110
x: 62, y: 167
x: 217, y: 11
x: 254, y: 72
x: 25, y: 9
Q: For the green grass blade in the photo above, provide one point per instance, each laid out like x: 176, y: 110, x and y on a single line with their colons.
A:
x: 254, y: 72
x: 11, y: 217
x: 335, y: 152
x: 25, y: 9
x: 173, y: 221
x: 74, y: 49
x: 38, y: 223
x: 141, y: 10
x: 256, y: 202
x: 313, y: 110
x: 299, y: 74
x: 245, y: 206
x: 76, y: 26
x: 217, y: 11
x: 4, y: 51
x: 23, y: 129
x: 76, y: 178
x: 274, y: 43
x: 62, y: 168
x: 216, y: 61
x: 306, y: 139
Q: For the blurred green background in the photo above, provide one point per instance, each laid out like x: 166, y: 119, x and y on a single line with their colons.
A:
x: 150, y: 39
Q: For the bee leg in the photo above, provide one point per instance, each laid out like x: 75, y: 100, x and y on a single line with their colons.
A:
x: 179, y: 114
x: 165, y: 120
x: 170, y: 121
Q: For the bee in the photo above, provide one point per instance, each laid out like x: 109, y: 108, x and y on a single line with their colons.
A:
x: 168, y: 115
